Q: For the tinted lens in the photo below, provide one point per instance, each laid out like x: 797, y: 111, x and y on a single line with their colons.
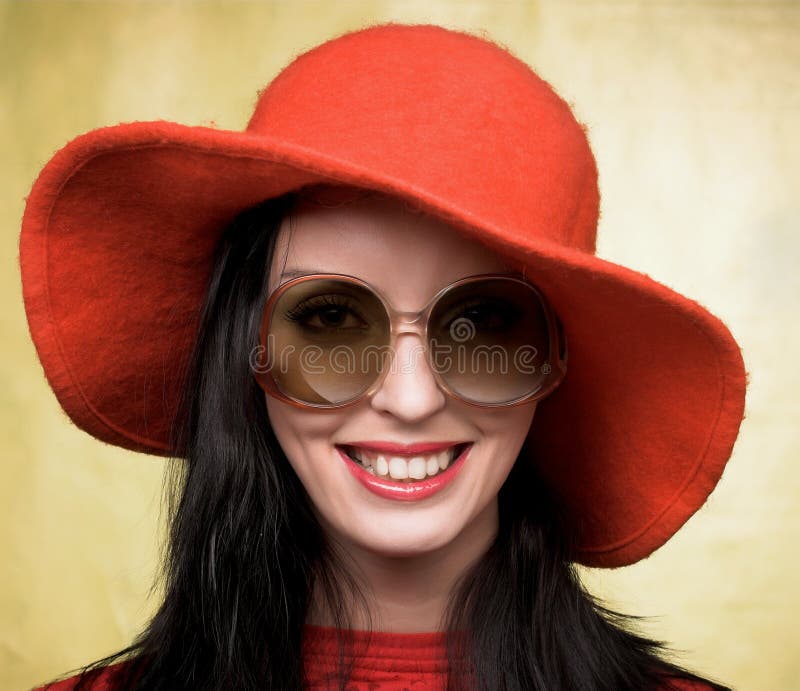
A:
x: 489, y: 340
x: 327, y: 341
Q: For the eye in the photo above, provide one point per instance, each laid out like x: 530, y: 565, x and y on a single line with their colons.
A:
x: 326, y: 312
x: 486, y: 314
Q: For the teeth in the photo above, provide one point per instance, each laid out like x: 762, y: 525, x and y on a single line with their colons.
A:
x: 398, y: 468
x: 432, y: 466
x: 417, y: 468
x: 401, y: 468
x: 381, y: 466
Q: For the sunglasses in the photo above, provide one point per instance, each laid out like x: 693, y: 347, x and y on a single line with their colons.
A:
x: 329, y: 340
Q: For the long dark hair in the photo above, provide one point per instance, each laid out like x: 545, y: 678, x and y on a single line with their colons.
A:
x: 245, y: 550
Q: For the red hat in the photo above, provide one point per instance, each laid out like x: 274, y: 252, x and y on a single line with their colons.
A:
x: 120, y: 227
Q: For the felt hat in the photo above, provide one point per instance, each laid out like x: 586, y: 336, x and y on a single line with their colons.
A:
x: 120, y: 227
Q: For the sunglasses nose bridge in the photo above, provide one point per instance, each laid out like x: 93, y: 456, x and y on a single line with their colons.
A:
x: 408, y: 322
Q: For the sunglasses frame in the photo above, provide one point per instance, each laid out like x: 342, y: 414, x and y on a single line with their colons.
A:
x: 417, y: 323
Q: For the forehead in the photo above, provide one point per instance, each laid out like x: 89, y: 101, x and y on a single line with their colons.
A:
x: 379, y: 239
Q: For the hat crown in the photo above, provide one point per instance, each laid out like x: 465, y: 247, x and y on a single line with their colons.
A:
x: 447, y: 112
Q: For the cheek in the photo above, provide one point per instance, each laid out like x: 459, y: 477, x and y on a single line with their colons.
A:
x: 298, y: 436
x: 303, y: 435
x: 507, y: 429
x: 507, y: 437
x: 280, y: 419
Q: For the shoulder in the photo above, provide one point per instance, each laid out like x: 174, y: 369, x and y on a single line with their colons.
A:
x: 98, y: 680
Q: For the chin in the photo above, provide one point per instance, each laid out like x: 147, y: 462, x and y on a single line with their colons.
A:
x: 402, y: 539
x: 406, y: 548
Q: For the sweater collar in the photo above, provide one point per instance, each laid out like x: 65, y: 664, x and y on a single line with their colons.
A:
x: 423, y: 652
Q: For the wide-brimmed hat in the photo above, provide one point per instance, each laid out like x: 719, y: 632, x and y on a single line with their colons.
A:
x: 120, y: 227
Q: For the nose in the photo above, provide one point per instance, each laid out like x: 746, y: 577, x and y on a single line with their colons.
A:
x: 409, y: 390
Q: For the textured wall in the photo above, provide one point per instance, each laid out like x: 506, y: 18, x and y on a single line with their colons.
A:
x: 692, y: 108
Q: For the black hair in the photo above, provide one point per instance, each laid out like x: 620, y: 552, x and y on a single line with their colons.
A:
x: 244, y: 549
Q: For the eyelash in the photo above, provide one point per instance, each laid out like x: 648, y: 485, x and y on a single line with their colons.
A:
x: 505, y: 312
x: 312, y: 306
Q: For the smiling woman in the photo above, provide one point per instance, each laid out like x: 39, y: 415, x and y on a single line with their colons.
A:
x: 409, y: 428
x: 403, y: 394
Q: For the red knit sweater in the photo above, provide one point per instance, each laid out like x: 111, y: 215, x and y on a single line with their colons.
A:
x: 389, y: 662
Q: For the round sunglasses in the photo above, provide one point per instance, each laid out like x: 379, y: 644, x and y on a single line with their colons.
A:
x: 328, y: 341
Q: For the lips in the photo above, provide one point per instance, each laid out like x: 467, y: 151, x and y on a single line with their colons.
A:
x: 408, y: 488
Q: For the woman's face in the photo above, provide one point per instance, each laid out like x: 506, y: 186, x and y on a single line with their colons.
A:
x: 408, y: 257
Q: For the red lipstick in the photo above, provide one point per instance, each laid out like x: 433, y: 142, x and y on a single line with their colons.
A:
x: 405, y: 491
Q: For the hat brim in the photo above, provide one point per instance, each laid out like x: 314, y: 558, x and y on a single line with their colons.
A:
x: 116, y: 249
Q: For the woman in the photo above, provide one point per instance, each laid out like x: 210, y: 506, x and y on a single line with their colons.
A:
x: 408, y: 395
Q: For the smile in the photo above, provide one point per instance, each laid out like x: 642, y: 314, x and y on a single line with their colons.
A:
x: 405, y: 468
x: 414, y: 483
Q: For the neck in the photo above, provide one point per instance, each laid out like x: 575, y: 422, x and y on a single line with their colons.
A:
x: 408, y: 594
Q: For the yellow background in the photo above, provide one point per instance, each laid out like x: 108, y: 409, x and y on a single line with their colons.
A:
x: 692, y: 109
